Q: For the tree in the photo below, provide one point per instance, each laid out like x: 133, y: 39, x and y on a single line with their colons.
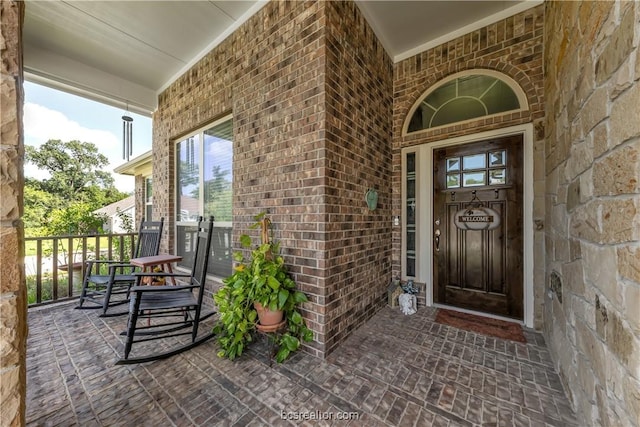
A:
x: 77, y: 186
x: 38, y: 204
x: 75, y: 167
x: 76, y: 218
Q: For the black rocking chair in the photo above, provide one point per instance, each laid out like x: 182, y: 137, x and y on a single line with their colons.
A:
x: 165, y: 312
x: 98, y: 289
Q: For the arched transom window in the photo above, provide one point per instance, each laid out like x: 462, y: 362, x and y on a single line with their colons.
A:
x: 465, y: 96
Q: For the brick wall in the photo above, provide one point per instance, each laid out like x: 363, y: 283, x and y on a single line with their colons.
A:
x: 279, y: 155
x: 358, y: 148
x: 592, y: 322
x: 298, y: 154
x: 139, y: 201
x: 13, y: 290
x: 514, y: 47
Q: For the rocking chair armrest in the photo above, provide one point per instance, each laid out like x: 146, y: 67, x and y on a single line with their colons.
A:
x: 123, y: 265
x: 111, y: 264
x: 160, y: 274
x: 103, y: 261
x: 162, y: 288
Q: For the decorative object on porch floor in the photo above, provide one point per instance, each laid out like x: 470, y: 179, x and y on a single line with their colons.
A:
x: 267, y: 317
x: 98, y: 288
x: 481, y: 325
x: 264, y: 279
x: 394, y: 290
x: 172, y: 311
x: 408, y: 304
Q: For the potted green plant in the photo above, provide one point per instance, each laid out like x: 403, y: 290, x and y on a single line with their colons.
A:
x: 262, y: 279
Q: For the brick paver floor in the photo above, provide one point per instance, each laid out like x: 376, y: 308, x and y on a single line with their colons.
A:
x: 395, y: 370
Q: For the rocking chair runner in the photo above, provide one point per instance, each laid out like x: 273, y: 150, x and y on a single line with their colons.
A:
x: 169, y: 310
x: 97, y: 289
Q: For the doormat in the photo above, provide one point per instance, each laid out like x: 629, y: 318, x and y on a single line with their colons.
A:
x: 481, y: 325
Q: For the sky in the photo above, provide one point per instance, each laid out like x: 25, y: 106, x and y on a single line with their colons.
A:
x: 53, y: 114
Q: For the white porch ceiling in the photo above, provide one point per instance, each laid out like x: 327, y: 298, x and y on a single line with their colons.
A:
x: 124, y: 53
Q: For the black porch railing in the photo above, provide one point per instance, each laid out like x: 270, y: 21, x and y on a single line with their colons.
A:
x: 55, y: 265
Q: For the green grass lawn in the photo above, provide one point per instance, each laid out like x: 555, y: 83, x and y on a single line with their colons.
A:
x: 31, y: 246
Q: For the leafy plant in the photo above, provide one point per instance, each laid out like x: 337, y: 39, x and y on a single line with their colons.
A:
x: 262, y: 278
x: 76, y: 185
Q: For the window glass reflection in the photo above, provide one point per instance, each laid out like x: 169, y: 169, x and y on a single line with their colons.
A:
x: 474, y: 179
x: 474, y: 161
x: 497, y: 176
x: 453, y: 181
x: 497, y: 158
x: 453, y: 164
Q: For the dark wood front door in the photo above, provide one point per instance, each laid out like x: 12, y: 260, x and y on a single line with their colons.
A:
x: 477, y: 269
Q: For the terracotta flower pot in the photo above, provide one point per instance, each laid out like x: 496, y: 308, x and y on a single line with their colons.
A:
x: 266, y: 316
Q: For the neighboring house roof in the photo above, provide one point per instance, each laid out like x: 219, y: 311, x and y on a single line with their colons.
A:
x: 113, y: 208
x: 140, y: 165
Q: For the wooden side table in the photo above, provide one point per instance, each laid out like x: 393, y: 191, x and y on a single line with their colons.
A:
x: 163, y: 260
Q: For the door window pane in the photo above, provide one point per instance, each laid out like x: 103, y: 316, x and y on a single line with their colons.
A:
x: 474, y: 161
x: 497, y: 176
x: 474, y: 179
x: 497, y: 158
x: 453, y: 164
x: 453, y: 181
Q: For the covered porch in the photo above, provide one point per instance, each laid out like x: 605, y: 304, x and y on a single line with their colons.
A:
x: 319, y: 101
x: 394, y: 370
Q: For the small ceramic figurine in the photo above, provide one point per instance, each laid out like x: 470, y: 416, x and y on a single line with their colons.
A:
x: 410, y: 287
x: 407, y: 303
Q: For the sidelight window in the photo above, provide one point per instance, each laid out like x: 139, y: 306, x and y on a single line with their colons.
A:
x: 410, y: 238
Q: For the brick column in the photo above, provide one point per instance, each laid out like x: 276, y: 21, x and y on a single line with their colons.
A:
x: 13, y: 306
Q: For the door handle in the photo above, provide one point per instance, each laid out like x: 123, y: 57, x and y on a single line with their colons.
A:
x: 437, y: 240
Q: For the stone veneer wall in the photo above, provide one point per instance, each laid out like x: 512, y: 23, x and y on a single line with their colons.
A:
x: 298, y: 153
x: 13, y: 298
x: 592, y: 322
x: 513, y: 46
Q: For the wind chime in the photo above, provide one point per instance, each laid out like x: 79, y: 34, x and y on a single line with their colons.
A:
x: 127, y: 135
